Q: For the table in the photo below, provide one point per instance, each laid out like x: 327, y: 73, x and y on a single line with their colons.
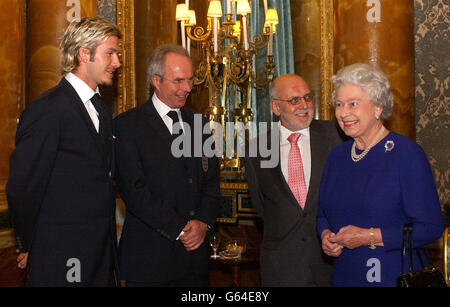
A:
x: 250, y: 256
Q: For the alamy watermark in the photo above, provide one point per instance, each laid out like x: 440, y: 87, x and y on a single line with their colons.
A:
x: 74, y: 273
x: 218, y: 145
x: 374, y: 273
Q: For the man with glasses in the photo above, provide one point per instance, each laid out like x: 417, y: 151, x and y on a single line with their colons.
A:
x: 170, y: 201
x: 286, y: 196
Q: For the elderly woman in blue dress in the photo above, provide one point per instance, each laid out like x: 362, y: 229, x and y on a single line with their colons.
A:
x: 372, y: 185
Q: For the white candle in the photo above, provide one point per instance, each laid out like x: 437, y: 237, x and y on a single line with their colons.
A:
x: 188, y: 46
x: 215, y: 35
x: 228, y: 6
x: 244, y: 32
x: 188, y: 41
x: 183, y: 34
x: 270, y: 47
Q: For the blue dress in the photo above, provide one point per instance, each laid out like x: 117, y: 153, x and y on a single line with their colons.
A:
x: 386, y: 189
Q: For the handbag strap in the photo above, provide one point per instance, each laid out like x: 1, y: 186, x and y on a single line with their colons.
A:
x: 409, y: 228
x: 403, y: 247
x: 410, y: 247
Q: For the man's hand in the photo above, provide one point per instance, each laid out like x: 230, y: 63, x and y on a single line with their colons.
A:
x: 22, y: 259
x: 329, y: 245
x: 194, y: 234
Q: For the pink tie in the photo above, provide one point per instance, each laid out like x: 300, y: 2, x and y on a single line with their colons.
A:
x: 296, y: 176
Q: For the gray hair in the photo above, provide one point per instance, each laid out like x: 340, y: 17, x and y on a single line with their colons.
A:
x: 370, y: 78
x: 273, y: 90
x: 157, y: 65
x: 88, y: 33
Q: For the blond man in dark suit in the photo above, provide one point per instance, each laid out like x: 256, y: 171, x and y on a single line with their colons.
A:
x: 60, y: 192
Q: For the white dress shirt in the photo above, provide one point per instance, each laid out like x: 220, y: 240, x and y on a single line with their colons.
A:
x: 305, y: 151
x: 163, y: 109
x: 85, y: 92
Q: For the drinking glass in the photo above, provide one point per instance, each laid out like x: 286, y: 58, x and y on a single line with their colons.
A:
x: 214, y: 241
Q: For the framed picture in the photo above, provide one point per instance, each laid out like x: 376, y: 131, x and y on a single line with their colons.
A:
x: 244, y: 204
x: 236, y: 202
x: 228, y: 210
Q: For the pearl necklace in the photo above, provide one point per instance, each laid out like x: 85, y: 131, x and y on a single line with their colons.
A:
x: 355, y: 156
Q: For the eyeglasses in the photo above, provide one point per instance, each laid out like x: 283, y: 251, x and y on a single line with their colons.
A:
x: 297, y: 99
x: 189, y: 81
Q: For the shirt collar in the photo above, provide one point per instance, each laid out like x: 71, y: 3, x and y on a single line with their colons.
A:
x: 285, y: 133
x: 83, y: 90
x: 161, y: 107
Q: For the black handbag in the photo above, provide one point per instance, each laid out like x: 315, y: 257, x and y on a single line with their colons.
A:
x: 429, y: 276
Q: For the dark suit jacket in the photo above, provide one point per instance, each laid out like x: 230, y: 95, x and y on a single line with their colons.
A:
x: 291, y: 253
x: 60, y: 192
x: 161, y: 193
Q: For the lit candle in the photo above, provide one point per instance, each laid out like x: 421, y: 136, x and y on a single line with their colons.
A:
x: 181, y: 15
x: 188, y: 46
x: 228, y: 6
x: 244, y: 31
x: 183, y: 34
x: 215, y: 35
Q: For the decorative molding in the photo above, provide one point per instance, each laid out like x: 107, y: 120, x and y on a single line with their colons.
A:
x: 326, y: 58
x: 234, y: 185
x: 126, y: 76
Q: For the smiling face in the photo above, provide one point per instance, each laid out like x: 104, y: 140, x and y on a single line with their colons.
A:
x: 293, y: 117
x: 356, y: 114
x: 99, y: 68
x: 175, y: 86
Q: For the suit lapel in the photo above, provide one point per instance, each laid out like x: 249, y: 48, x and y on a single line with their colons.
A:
x: 157, y: 125
x: 316, y: 153
x: 154, y: 121
x: 188, y: 120
x: 77, y: 104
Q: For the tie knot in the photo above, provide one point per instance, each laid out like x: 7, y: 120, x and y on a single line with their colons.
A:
x: 293, y: 138
x: 174, y: 116
x: 97, y: 102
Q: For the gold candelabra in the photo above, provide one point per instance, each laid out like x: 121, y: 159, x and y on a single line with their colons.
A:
x: 226, y: 64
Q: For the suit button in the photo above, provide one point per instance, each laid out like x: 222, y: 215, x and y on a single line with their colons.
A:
x: 191, y: 213
x: 304, y: 239
x: 190, y: 180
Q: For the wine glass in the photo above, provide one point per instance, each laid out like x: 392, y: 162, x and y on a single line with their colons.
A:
x: 214, y: 241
